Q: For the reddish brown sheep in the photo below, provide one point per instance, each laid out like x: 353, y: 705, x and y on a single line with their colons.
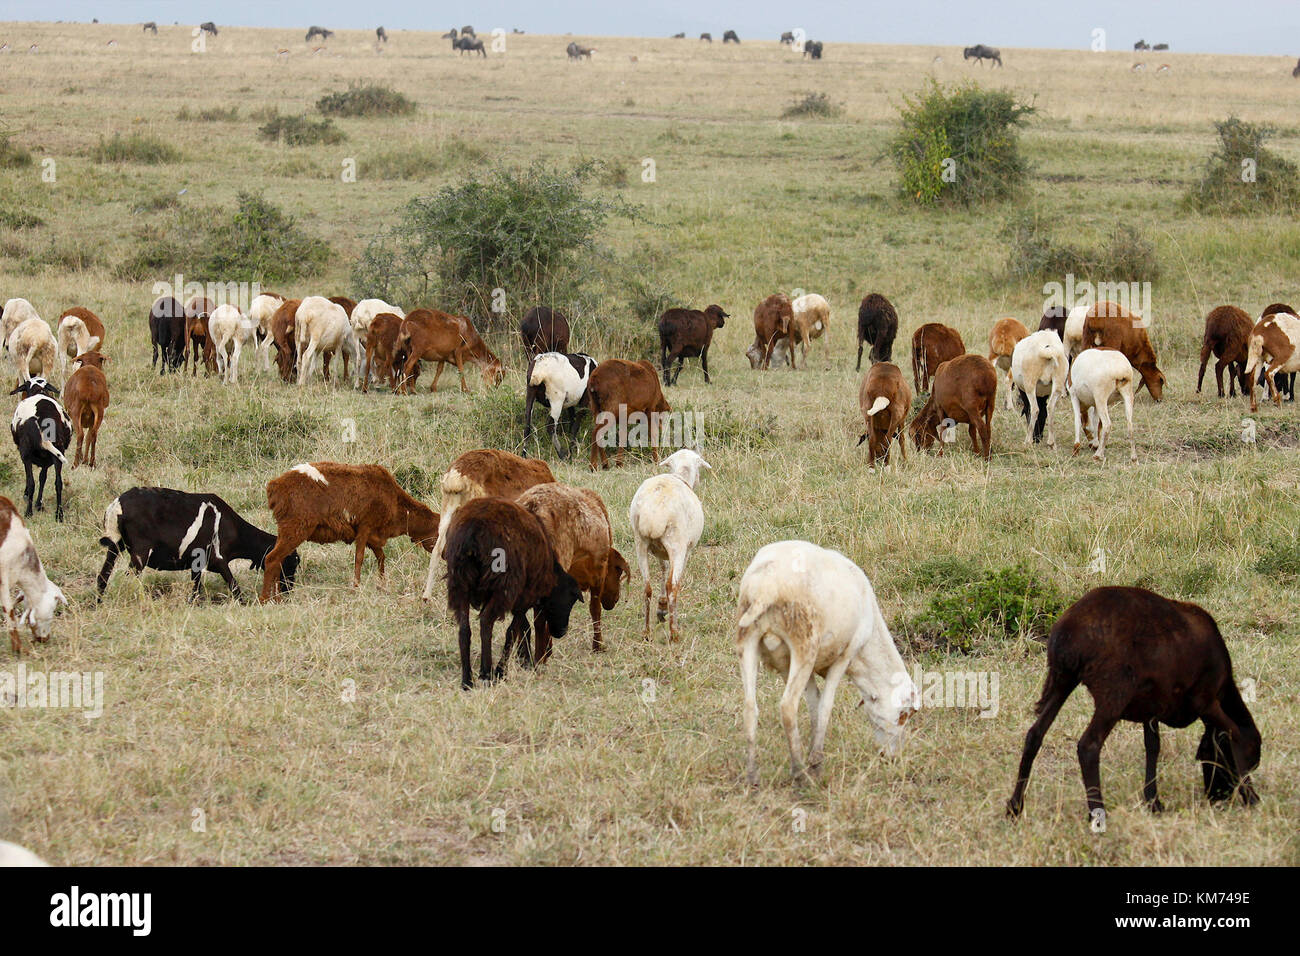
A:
x: 428, y: 335
x: 85, y: 396
x: 196, y: 334
x: 1227, y: 336
x: 1002, y: 343
x: 381, y: 348
x: 326, y: 502
x: 1111, y: 326
x: 79, y: 330
x: 884, y: 400
x: 772, y: 319
x: 284, y: 338
x: 622, y: 394
x: 964, y: 390
x: 932, y: 345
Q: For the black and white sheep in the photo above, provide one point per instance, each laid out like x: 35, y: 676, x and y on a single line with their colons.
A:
x: 42, y: 432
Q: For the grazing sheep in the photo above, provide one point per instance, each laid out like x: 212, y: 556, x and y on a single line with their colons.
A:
x: 230, y: 332
x: 578, y: 528
x: 730, y: 37
x: 1274, y: 349
x: 577, y: 51
x: 321, y: 32
x: 322, y: 326
x: 284, y: 338
x: 482, y: 473
x: 33, y: 349
x: 772, y: 318
x: 544, y: 329
x: 80, y: 330
x: 624, y: 396
x: 42, y: 432
x: 209, y: 28
x: 381, y: 35
x: 16, y: 312
x: 428, y: 335
x: 260, y: 312
x: 560, y: 381
x: 85, y: 396
x: 21, y: 570
x: 808, y: 611
x: 884, y: 400
x: 169, y: 530
x: 706, y: 37
x: 667, y: 520
x: 1104, y: 376
x: 197, y: 340
x: 964, y: 391
x: 877, y: 326
x: 1002, y: 342
x: 1152, y: 661
x: 1038, y: 376
x: 932, y: 345
x: 687, y: 333
x: 381, y: 349
x: 500, y: 562
x: 1073, y: 337
x: 1107, y: 325
x: 361, y: 315
x: 780, y: 354
x: 1054, y: 317
x: 813, y: 49
x: 325, y: 502
x: 167, y: 333
x: 1285, y: 381
x: 811, y: 317
x: 1227, y: 334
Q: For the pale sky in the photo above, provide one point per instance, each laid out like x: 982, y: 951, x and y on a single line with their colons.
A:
x: 1194, y: 26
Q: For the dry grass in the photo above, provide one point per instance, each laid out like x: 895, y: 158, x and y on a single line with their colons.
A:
x: 239, y: 710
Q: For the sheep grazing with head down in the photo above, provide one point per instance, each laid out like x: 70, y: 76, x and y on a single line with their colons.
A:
x: 561, y: 382
x: 230, y: 332
x: 1274, y: 350
x: 806, y: 611
x: 362, y: 315
x: 1038, y: 375
x: 33, y: 349
x: 810, y: 319
x: 877, y: 327
x: 260, y: 312
x: 884, y: 400
x: 42, y: 432
x: 933, y: 344
x: 1104, y: 376
x: 16, y: 312
x: 963, y: 391
x: 1002, y: 342
x: 21, y: 570
x: 321, y: 326
x: 667, y: 521
x: 80, y: 330
x: 1227, y: 332
x: 1152, y: 661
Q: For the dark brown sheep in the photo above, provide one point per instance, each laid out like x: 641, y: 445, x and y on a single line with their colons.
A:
x: 381, y: 348
x: 1227, y: 336
x: 544, y: 330
x: 687, y: 333
x: 932, y: 345
x: 877, y: 326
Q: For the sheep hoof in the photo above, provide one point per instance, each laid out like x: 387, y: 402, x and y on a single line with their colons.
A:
x: 1155, y: 806
x: 1013, y: 809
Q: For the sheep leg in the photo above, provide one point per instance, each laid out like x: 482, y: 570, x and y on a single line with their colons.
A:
x: 1089, y: 749
x: 749, y: 680
x: 796, y: 680
x: 1128, y: 415
x: 1151, y: 742
x: 196, y: 583
x: 460, y: 367
x: 360, y: 556
x: 433, y: 387
x: 812, y: 696
x: 462, y: 622
x: 326, y: 357
x: 858, y: 367
x: 1218, y: 367
x: 819, y: 707
x: 29, y: 489
x: 1056, y: 692
x: 1051, y: 413
x: 81, y: 436
x: 704, y: 364
x: 542, y: 643
x: 40, y: 489
x: 284, y: 546
x: 597, y: 642
x: 517, y: 623
x: 1219, y: 718
x: 643, y: 562
x: 1103, y: 432
x: 305, y: 362
x: 233, y: 364
x: 485, y: 646
x: 105, y: 572
x: 377, y: 548
x: 1273, y: 392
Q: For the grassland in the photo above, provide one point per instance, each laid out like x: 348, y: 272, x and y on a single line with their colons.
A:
x: 239, y: 711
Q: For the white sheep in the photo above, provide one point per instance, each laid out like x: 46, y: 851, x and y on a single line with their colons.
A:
x: 667, y: 520
x: 1097, y: 378
x: 21, y: 570
x: 322, y: 326
x: 561, y: 381
x: 16, y: 312
x: 33, y: 349
x: 364, y: 314
x: 260, y: 311
x: 1038, y: 372
x: 12, y: 855
x: 1073, y: 340
x: 230, y: 331
x: 805, y: 611
x: 74, y: 338
x: 812, y: 317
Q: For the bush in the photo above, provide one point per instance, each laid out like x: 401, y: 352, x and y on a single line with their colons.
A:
x: 1125, y: 256
x: 211, y: 114
x: 976, y: 129
x: 1001, y: 602
x: 528, y: 231
x: 812, y: 105
x: 300, y: 131
x: 365, y: 99
x: 421, y: 160
x: 135, y: 148
x: 1227, y: 187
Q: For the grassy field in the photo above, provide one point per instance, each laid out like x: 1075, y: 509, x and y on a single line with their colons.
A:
x: 636, y: 756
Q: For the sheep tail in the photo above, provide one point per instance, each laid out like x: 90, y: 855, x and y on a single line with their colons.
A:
x: 1255, y: 355
x: 879, y: 405
x: 48, y: 446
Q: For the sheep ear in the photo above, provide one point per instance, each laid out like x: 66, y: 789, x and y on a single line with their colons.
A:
x: 706, y: 464
x: 59, y: 596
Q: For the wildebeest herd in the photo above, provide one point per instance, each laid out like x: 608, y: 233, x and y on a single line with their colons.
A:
x: 511, y: 541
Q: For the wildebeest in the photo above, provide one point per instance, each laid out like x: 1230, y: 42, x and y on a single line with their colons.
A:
x: 979, y: 52
x: 577, y: 51
x: 813, y: 48
x: 208, y: 27
x: 787, y: 38
x: 381, y: 34
x: 150, y: 27
x: 1142, y: 45
x: 707, y: 36
x: 467, y: 31
x: 321, y: 32
x: 730, y: 37
x: 1161, y: 46
x: 468, y: 44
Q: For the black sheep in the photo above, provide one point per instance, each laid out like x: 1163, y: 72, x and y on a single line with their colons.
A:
x: 877, y: 326
x: 42, y: 432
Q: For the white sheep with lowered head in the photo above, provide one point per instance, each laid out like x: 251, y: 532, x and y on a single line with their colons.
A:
x: 260, y: 312
x: 1038, y: 377
x: 807, y: 611
x: 33, y: 349
x: 230, y: 331
x: 21, y: 570
x: 1097, y: 378
x: 16, y: 312
x: 667, y: 521
x: 322, y: 326
x: 363, y: 315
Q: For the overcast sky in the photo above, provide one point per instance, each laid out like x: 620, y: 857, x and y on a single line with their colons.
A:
x: 1203, y: 26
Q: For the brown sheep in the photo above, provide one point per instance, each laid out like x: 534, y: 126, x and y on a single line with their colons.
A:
x: 877, y: 327
x: 1002, y: 342
x: 964, y: 390
x: 932, y: 345
x: 884, y: 400
x: 772, y: 319
x: 1227, y: 335
x: 381, y: 347
x: 579, y: 530
x: 431, y: 336
x: 1111, y: 326
x: 85, y: 396
x: 544, y: 329
x: 686, y: 333
x: 327, y: 502
x: 79, y: 330
x: 196, y: 334
x: 284, y: 337
x: 617, y: 391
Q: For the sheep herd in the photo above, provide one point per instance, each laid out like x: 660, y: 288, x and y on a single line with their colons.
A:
x: 510, y: 541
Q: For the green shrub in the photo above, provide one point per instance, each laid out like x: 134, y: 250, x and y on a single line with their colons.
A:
x: 210, y: 114
x: 12, y: 155
x: 1124, y: 256
x: 997, y: 603
x: 531, y: 232
x: 1228, y: 187
x: 977, y: 129
x: 300, y: 131
x: 816, y: 105
x: 259, y: 243
x: 365, y: 99
x: 135, y: 148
